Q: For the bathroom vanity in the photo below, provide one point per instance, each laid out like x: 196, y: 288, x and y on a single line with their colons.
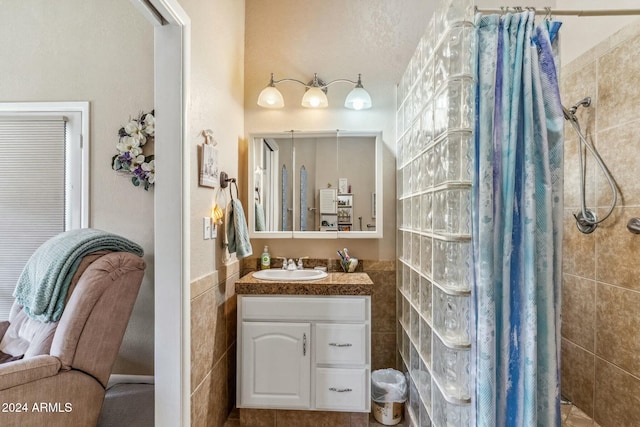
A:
x: 305, y: 345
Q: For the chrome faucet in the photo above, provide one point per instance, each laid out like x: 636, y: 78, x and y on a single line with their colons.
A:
x: 291, y: 265
x: 300, y: 264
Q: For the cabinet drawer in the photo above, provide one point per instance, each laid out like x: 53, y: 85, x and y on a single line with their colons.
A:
x: 341, y: 309
x: 341, y: 343
x: 342, y: 389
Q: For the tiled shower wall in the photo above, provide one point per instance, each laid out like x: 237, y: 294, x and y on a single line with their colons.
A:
x: 601, y: 271
x: 434, y: 149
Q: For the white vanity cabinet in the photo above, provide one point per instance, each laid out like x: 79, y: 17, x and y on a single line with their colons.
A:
x: 304, y: 352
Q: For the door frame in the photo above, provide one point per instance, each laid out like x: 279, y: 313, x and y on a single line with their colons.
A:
x: 172, y: 355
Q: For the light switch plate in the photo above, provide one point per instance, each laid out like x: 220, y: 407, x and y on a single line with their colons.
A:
x: 206, y: 225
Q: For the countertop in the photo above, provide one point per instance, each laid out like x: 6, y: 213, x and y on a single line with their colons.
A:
x: 333, y: 284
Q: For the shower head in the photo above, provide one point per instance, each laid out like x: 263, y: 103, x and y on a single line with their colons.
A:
x: 570, y: 114
x: 583, y: 102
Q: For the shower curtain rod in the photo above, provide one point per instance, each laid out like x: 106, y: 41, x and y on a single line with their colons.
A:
x: 568, y: 12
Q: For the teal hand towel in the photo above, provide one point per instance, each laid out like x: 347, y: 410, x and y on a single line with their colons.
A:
x: 42, y: 287
x: 237, y: 232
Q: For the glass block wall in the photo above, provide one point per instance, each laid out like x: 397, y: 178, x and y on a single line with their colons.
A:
x: 434, y: 159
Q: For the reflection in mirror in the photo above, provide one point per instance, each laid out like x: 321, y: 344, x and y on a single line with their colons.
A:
x: 356, y: 182
x: 316, y: 184
x: 273, y: 183
x: 315, y: 159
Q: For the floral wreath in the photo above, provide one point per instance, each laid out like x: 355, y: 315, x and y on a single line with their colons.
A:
x: 131, y: 158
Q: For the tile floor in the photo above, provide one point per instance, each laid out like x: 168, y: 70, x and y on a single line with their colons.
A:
x: 574, y: 417
x: 571, y: 417
x: 234, y: 421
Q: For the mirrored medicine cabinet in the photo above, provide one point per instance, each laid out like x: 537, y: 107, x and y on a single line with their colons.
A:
x: 315, y: 185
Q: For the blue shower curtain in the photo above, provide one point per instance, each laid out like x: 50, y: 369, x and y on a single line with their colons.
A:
x: 517, y: 196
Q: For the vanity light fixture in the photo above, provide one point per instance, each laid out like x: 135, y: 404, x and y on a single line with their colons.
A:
x: 316, y: 94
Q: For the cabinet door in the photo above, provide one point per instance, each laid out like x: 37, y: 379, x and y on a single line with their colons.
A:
x: 276, y: 365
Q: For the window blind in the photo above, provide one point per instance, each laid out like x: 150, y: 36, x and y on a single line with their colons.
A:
x: 32, y: 192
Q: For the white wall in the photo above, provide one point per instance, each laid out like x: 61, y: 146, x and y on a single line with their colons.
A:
x: 217, y: 98
x: 101, y: 52
x: 335, y: 39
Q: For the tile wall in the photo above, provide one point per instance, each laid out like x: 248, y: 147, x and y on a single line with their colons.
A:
x: 434, y: 157
x: 213, y: 346
x: 601, y: 272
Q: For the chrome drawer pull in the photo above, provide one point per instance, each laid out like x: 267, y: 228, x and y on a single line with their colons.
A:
x: 340, y: 390
x: 335, y: 344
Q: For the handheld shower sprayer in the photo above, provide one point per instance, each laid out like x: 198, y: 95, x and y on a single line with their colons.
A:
x: 586, y: 219
x: 586, y: 102
x: 570, y: 114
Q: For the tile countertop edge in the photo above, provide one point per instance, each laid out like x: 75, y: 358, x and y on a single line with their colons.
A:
x: 333, y: 284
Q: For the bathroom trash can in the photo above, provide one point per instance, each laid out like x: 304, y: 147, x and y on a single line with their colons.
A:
x: 388, y: 393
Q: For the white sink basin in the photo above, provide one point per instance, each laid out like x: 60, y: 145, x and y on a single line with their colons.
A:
x: 279, y: 275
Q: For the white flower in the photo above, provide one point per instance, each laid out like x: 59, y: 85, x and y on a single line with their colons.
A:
x: 151, y: 169
x: 129, y: 143
x: 149, y: 124
x: 136, y: 159
x: 135, y: 130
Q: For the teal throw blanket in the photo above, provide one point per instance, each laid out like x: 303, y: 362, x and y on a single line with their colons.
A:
x: 44, y: 282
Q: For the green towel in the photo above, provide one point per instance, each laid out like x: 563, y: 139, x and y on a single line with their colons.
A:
x: 237, y: 232
x: 44, y: 282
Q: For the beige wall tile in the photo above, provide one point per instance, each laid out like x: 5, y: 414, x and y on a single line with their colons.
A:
x: 575, y: 87
x: 231, y: 316
x: 578, y: 311
x: 232, y: 367
x: 378, y: 265
x: 618, y: 334
x: 383, y: 350
x: 619, y: 84
x: 312, y: 419
x: 219, y: 393
x: 208, y: 335
x: 617, y: 400
x: 383, y: 301
x: 578, y: 250
x: 209, y: 402
x: 572, y: 197
x: 257, y: 417
x: 203, y: 284
x: 577, y: 376
x: 617, y: 249
x: 616, y: 146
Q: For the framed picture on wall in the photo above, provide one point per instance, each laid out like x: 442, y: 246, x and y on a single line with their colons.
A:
x: 343, y: 187
x: 209, y: 170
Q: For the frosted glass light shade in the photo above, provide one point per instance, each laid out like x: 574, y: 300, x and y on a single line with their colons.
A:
x: 315, y: 98
x: 270, y: 97
x: 358, y: 99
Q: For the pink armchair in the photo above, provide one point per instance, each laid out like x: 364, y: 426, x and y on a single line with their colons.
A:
x: 61, y: 379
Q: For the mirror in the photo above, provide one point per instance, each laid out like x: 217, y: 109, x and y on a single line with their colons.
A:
x: 315, y: 185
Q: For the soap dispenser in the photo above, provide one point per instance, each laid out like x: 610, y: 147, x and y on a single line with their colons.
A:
x: 265, y: 259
